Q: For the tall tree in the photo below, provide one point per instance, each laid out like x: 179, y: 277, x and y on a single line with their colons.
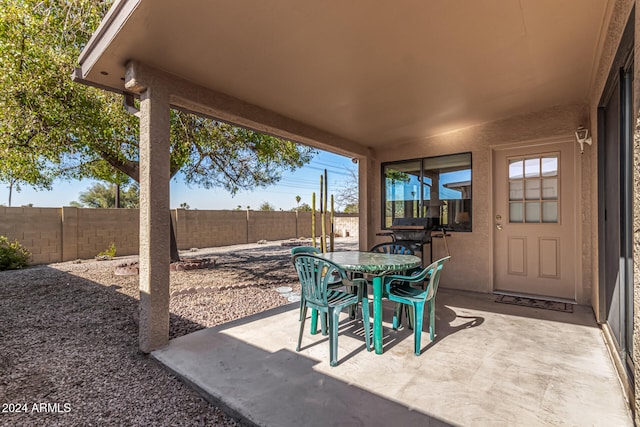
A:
x: 304, y: 207
x: 348, y: 192
x: 104, y: 196
x: 267, y: 207
x: 52, y: 127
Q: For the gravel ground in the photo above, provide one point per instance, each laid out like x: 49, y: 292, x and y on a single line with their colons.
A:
x: 68, y: 337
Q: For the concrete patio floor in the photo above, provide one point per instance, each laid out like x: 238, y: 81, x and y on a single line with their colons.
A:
x: 490, y: 365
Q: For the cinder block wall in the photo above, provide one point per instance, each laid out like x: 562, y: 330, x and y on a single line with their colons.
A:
x: 304, y: 224
x: 68, y: 233
x: 201, y: 229
x: 37, y: 229
x: 97, y: 228
x: 271, y: 225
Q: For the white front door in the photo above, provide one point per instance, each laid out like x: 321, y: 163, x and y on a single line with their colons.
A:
x: 534, y: 221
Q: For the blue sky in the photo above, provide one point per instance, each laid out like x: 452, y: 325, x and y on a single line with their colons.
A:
x: 302, y: 182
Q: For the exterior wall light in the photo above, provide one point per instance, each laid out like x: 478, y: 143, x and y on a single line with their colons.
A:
x: 582, y: 136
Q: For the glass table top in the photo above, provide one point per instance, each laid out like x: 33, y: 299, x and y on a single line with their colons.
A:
x: 372, y: 262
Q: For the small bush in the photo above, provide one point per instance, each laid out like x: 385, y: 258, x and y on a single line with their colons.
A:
x: 108, y: 253
x: 12, y: 255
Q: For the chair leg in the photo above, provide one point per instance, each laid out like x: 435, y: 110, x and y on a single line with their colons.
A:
x: 333, y: 316
x: 353, y: 309
x: 397, y: 316
x: 418, y: 311
x: 410, y: 317
x: 304, y: 317
x: 431, y: 308
x: 365, y: 323
x: 314, y: 321
x: 323, y: 323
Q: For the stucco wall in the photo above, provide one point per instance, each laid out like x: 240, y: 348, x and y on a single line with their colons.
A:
x: 471, y: 265
x: 618, y: 14
x: 64, y: 234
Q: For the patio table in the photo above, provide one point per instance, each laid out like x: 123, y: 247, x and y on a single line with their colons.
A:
x: 376, y: 264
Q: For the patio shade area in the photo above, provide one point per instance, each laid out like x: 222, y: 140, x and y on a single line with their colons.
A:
x: 364, y: 75
x: 490, y: 364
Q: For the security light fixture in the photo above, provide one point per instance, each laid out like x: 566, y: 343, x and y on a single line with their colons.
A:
x: 582, y: 136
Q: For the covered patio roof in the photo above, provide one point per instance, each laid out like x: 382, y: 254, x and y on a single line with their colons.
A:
x: 354, y: 77
x: 358, y: 73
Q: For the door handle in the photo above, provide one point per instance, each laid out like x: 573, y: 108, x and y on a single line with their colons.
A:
x: 499, y: 226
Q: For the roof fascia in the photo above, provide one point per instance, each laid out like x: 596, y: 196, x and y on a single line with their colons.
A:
x: 113, y: 21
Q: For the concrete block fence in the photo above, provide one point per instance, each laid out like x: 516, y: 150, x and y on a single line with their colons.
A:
x: 68, y: 233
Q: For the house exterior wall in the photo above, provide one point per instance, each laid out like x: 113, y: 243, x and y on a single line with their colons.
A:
x: 69, y: 233
x: 618, y: 15
x: 471, y: 264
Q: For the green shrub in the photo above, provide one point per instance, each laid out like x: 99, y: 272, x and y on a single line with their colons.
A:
x: 12, y: 255
x: 108, y: 253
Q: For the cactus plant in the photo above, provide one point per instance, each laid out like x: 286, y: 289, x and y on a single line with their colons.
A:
x: 332, y: 221
x: 323, y: 209
x: 313, y: 218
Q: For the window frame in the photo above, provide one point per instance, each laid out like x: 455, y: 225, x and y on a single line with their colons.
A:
x: 421, y: 208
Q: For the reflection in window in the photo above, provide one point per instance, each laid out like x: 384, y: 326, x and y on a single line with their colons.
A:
x: 533, y: 189
x: 436, y: 188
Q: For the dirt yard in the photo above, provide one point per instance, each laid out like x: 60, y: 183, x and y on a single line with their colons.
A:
x: 69, y: 351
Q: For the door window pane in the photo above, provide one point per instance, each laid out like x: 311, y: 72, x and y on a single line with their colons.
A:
x: 550, y: 212
x: 516, y: 169
x: 550, y: 188
x: 515, y: 212
x: 515, y: 190
x: 532, y: 189
x: 532, y: 212
x: 532, y: 168
x: 550, y: 166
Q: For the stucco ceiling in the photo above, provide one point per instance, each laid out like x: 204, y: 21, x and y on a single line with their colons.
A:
x: 373, y: 72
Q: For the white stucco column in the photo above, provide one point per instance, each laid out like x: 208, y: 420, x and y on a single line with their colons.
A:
x: 154, y: 218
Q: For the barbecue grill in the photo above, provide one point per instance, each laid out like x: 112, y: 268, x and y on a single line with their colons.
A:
x: 412, y: 231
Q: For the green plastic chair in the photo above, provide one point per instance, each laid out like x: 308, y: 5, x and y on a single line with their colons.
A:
x: 315, y: 276
x: 304, y: 250
x: 392, y: 248
x: 335, y: 283
x: 410, y: 292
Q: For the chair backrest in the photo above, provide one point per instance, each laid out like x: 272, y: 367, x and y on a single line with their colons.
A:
x: 304, y: 250
x: 392, y: 248
x: 434, y: 270
x: 315, y: 275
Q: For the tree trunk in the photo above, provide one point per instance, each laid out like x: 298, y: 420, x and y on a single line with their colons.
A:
x: 175, y: 257
x: 117, y: 196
